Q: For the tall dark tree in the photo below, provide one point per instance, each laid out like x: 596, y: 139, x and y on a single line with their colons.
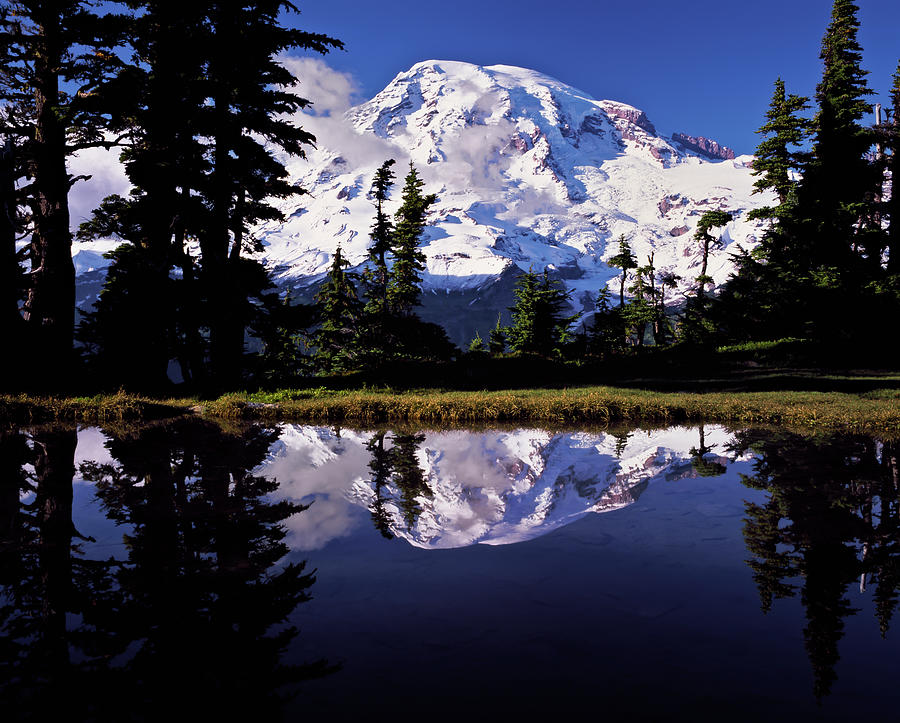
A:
x: 382, y: 243
x: 12, y: 281
x: 46, y: 49
x: 708, y: 221
x: 626, y: 261
x: 337, y: 339
x: 893, y: 207
x: 840, y: 142
x: 539, y: 324
x: 778, y: 157
x: 405, y: 283
x: 250, y: 101
x: 497, y: 338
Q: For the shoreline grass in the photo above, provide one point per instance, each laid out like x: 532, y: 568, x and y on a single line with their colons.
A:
x: 875, y: 411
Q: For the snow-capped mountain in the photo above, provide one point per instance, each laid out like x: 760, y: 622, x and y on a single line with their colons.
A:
x: 529, y: 173
x: 480, y: 488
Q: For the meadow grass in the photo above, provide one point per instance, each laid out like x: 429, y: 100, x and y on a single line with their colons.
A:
x: 876, y: 411
x: 24, y: 410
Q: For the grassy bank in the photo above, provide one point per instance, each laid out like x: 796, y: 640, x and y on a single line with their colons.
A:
x: 875, y: 411
x: 23, y: 410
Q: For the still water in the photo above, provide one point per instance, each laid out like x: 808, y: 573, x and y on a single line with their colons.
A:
x: 318, y: 573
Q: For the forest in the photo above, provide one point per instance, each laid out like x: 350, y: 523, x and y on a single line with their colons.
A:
x: 203, y: 134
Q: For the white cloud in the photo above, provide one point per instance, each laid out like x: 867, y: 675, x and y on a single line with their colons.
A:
x: 107, y: 176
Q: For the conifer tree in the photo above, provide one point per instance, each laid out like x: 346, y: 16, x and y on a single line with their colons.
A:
x: 382, y: 242
x: 538, y: 324
x: 53, y: 58
x: 12, y: 281
x: 893, y: 208
x: 157, y: 102
x: 777, y: 157
x: 341, y: 311
x: 497, y: 339
x: 709, y: 220
x: 404, y: 284
x: 606, y: 334
x: 476, y: 345
x: 832, y: 209
x: 626, y: 261
x: 249, y: 105
x: 640, y: 312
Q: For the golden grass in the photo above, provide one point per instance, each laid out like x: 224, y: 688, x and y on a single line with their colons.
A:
x: 874, y: 412
x: 25, y: 410
x: 587, y: 405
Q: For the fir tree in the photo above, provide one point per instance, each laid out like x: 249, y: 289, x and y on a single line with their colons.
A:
x: 341, y: 312
x: 776, y: 158
x: 832, y: 209
x: 625, y: 261
x: 476, y: 345
x: 250, y: 103
x: 893, y: 207
x: 382, y: 242
x: 497, y: 339
x: 709, y: 220
x: 606, y: 332
x: 404, y: 285
x: 53, y: 58
x: 640, y: 312
x: 538, y: 323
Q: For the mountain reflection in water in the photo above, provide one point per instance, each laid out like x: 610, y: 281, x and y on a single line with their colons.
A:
x: 166, y: 562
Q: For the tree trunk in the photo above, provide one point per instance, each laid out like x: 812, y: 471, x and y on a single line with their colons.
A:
x: 50, y: 307
x: 10, y: 274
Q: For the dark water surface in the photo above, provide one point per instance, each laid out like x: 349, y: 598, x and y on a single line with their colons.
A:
x: 323, y: 574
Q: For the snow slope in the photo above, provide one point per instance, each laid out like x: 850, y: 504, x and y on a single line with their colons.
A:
x: 529, y: 172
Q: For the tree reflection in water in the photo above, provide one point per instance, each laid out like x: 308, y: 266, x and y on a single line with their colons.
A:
x: 398, y: 466
x: 831, y: 521
x: 192, y: 619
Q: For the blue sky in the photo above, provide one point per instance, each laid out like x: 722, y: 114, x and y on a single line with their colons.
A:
x: 696, y: 66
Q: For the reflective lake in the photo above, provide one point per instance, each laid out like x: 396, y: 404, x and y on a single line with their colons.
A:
x: 310, y: 572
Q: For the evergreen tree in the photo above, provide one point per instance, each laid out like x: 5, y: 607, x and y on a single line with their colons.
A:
x: 697, y: 326
x: 249, y: 106
x: 341, y: 311
x: 476, y: 346
x: 640, y: 312
x: 830, y: 209
x: 626, y: 261
x: 382, y: 242
x: 497, y: 339
x: 404, y: 284
x: 53, y: 58
x: 12, y: 280
x: 205, y: 106
x: 606, y: 334
x: 709, y: 220
x: 538, y: 324
x: 893, y: 206
x: 662, y: 327
x: 776, y: 159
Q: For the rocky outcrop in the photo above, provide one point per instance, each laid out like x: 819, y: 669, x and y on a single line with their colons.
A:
x: 632, y: 115
x: 704, y: 146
